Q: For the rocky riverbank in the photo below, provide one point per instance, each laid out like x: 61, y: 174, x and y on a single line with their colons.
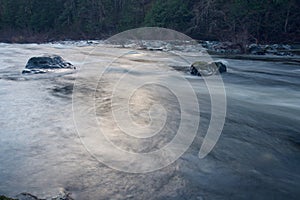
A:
x: 215, y: 47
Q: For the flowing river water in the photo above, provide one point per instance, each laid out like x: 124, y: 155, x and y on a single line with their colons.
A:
x: 256, y: 157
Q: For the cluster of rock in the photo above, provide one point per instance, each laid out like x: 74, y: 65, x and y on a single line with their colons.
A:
x: 37, y: 65
x: 214, y: 47
x: 79, y: 43
x: 26, y: 196
x: 254, y: 49
x: 159, y: 45
x: 222, y: 47
x: 43, y: 64
x: 208, y: 68
x: 275, y: 49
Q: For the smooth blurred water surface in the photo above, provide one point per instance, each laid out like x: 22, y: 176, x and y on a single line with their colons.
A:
x: 257, y: 156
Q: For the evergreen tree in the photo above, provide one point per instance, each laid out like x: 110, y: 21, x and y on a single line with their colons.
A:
x: 172, y: 14
x: 239, y: 21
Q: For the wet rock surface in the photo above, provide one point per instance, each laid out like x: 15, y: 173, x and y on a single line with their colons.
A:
x: 156, y: 45
x: 63, y: 195
x: 275, y: 49
x: 212, y: 47
x: 43, y: 64
x: 208, y: 69
x: 222, y: 47
x: 216, y: 47
x: 28, y: 196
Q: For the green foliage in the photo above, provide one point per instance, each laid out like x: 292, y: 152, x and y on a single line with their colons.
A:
x: 131, y: 15
x: 248, y: 21
x: 172, y: 14
x: 232, y: 20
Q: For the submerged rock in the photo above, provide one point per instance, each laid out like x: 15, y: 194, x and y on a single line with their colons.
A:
x: 208, y: 68
x: 43, y: 64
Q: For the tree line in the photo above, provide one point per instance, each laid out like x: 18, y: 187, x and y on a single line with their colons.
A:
x: 248, y: 21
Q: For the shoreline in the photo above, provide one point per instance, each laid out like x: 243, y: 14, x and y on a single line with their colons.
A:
x: 294, y: 58
x: 267, y: 58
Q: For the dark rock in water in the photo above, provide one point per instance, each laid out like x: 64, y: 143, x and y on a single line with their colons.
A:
x: 43, y: 64
x: 275, y: 49
x: 27, y: 196
x: 282, y: 50
x: 208, y: 69
x: 222, y: 66
x: 227, y: 47
x: 223, y: 47
x: 256, y: 49
x: 62, y: 196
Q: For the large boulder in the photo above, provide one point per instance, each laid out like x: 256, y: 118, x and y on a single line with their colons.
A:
x: 44, y: 64
x: 208, y: 68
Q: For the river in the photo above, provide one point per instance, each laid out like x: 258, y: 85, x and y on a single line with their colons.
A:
x: 41, y: 146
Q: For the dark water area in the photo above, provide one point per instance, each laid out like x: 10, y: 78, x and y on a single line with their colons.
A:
x: 256, y: 157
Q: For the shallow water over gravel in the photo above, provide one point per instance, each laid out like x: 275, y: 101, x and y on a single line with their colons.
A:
x: 257, y: 156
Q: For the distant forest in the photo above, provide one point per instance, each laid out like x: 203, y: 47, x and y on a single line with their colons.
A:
x: 250, y: 21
